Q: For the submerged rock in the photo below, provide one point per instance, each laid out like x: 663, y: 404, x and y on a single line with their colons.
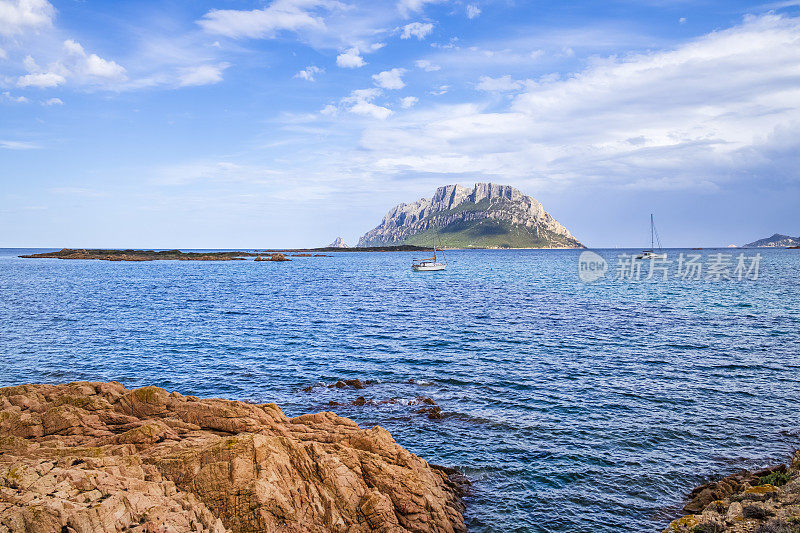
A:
x: 277, y: 256
x: 96, y: 457
x: 343, y: 384
x: 434, y: 413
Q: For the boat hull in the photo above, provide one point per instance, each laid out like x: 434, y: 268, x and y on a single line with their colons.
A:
x: 651, y: 255
x: 428, y: 268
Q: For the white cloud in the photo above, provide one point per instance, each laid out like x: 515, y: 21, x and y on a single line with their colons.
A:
x: 103, y: 68
x: 426, y: 65
x: 53, y: 101
x: 350, y: 59
x: 721, y: 107
x: 362, y: 95
x: 8, y: 97
x: 370, y: 109
x: 416, y: 29
x: 473, y: 11
x: 41, y: 80
x: 406, y: 7
x: 291, y: 15
x: 3, y: 54
x: 360, y: 102
x: 18, y: 145
x: 202, y: 75
x: 501, y: 84
x: 408, y: 102
x: 73, y: 65
x: 19, y: 16
x: 682, y: 20
x: 442, y: 89
x: 330, y: 110
x: 309, y: 73
x: 90, y: 65
x: 390, y: 79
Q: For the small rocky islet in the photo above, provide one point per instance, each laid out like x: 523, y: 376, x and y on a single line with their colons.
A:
x: 97, y: 457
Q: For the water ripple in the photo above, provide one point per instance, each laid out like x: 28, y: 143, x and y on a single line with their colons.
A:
x: 572, y: 407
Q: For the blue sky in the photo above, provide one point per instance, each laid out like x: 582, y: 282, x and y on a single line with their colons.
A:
x: 289, y: 123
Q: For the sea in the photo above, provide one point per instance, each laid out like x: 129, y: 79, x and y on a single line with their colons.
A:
x: 570, y: 405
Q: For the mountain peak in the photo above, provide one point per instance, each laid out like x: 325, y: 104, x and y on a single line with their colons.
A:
x: 338, y: 243
x: 487, y: 215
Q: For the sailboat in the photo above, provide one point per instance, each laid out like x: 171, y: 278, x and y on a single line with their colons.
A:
x: 651, y: 253
x: 430, y: 263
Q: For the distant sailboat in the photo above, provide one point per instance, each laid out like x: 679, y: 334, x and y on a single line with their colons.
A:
x: 651, y: 253
x: 430, y: 263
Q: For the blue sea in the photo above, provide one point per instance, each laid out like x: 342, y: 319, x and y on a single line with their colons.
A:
x: 572, y: 406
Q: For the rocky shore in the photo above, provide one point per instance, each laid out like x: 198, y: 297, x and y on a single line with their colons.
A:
x: 97, y: 457
x: 762, y: 501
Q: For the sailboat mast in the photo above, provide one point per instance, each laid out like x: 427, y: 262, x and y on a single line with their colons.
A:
x: 652, y: 230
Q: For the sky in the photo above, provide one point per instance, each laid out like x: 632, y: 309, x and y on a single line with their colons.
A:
x: 234, y: 124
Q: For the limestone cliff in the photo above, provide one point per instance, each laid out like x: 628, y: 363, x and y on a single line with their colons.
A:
x: 96, y: 457
x: 484, y: 216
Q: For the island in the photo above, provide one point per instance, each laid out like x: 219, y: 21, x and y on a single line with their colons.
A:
x: 178, y: 255
x: 99, y: 457
x: 140, y: 255
x: 486, y: 215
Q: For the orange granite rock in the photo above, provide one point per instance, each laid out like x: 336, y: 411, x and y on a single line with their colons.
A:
x: 96, y: 457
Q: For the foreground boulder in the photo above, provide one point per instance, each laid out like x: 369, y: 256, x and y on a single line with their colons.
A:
x: 765, y: 501
x: 96, y: 457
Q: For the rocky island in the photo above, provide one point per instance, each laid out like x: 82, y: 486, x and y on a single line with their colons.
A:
x: 484, y: 216
x: 177, y: 255
x: 97, y: 457
x: 139, y: 255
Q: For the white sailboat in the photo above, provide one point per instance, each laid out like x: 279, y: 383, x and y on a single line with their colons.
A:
x: 651, y: 253
x: 429, y: 263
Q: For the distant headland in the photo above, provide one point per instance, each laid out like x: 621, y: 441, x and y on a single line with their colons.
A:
x: 776, y: 241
